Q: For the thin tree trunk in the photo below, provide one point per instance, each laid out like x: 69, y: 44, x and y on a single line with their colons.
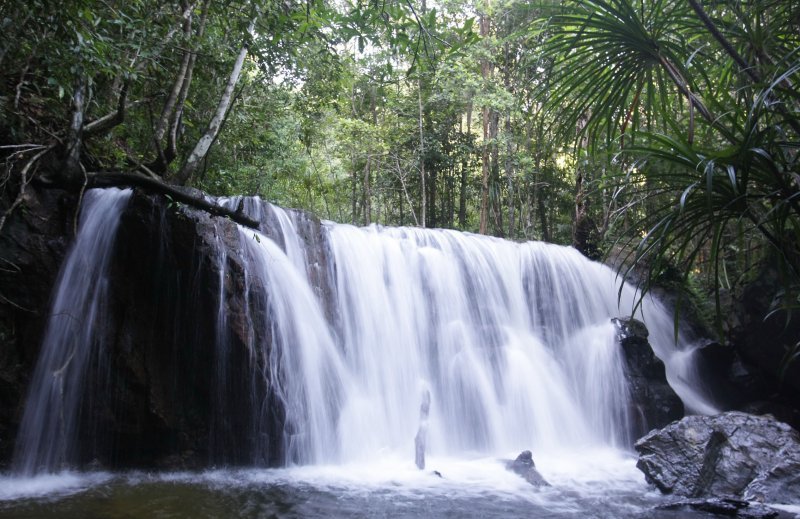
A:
x: 486, y: 70
x: 543, y: 219
x: 75, y: 135
x: 509, y: 177
x: 366, y: 192
x: 422, y: 154
x: 172, y: 136
x: 172, y: 98
x: 204, y: 144
x: 462, y: 195
x: 495, y: 201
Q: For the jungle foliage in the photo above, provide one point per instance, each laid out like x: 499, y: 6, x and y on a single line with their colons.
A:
x: 663, y: 132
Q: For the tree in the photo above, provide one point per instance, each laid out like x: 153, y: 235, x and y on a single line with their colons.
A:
x: 696, y: 112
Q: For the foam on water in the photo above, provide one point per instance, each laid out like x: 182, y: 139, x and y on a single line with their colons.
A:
x: 54, y: 485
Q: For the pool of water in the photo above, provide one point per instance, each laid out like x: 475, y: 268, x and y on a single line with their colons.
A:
x: 596, y: 483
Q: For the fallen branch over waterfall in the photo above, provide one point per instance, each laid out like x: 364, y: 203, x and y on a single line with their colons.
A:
x: 153, y: 185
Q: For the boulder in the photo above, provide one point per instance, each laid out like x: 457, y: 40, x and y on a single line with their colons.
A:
x: 732, y: 454
x: 653, y: 401
x: 762, y: 332
x: 525, y: 467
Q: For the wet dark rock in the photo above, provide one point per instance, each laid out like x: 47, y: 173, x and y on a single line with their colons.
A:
x: 525, y: 467
x: 182, y: 401
x: 33, y: 243
x: 724, y: 507
x: 761, y: 333
x: 161, y: 402
x: 731, y: 454
x: 653, y: 401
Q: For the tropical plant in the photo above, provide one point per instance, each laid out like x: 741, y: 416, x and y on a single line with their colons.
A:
x: 696, y: 113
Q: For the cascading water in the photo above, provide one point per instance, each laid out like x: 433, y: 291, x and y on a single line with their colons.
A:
x: 46, y: 438
x: 514, y: 342
x: 347, y: 331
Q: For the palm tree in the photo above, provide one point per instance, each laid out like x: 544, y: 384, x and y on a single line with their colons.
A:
x: 696, y: 114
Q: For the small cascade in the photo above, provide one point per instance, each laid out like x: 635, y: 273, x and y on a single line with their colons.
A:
x: 46, y: 439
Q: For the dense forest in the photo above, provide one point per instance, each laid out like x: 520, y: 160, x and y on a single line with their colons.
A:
x: 665, y: 132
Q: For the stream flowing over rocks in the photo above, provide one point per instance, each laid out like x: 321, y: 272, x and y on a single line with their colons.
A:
x: 161, y: 338
x: 208, y: 342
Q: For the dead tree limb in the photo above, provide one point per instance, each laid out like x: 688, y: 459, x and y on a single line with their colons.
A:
x: 23, y: 184
x: 152, y: 185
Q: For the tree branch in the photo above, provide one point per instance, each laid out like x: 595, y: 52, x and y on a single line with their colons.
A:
x: 169, y: 104
x: 152, y: 185
x: 23, y: 184
x: 204, y: 144
x: 712, y: 28
x: 75, y: 134
x: 111, y: 120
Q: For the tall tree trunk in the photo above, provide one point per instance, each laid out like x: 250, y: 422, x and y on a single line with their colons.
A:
x: 353, y: 198
x: 583, y: 230
x: 204, y: 144
x: 462, y: 194
x: 367, y: 195
x: 172, y: 137
x: 486, y: 72
x: 423, y: 212
x: 543, y: 219
x: 495, y: 198
x: 509, y: 176
x: 172, y: 98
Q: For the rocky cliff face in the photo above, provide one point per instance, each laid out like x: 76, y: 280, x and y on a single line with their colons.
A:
x: 173, y: 379
x: 32, y: 247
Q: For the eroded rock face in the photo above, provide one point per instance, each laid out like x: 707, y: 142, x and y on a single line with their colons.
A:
x: 33, y: 243
x: 173, y: 386
x: 653, y: 401
x: 731, y: 454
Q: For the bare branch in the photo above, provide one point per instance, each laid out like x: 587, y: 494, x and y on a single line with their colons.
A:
x: 24, y: 181
x: 115, y: 179
x: 113, y: 119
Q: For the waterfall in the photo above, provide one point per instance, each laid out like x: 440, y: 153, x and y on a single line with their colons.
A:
x: 513, y: 342
x: 349, y: 332
x: 47, y: 434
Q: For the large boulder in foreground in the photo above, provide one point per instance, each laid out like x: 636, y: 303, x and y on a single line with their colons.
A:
x: 731, y: 454
x: 653, y: 401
